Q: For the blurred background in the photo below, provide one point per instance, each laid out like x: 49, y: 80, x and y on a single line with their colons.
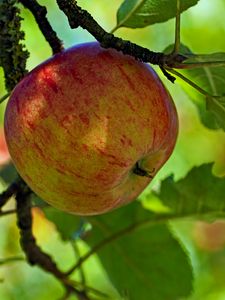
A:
x: 202, y: 30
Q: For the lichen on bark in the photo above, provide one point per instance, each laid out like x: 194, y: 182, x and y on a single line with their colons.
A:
x: 13, y: 54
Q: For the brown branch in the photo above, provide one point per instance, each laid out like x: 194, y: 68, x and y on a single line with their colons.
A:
x: 39, y: 12
x: 79, y: 17
x: 7, y: 212
x: 33, y: 252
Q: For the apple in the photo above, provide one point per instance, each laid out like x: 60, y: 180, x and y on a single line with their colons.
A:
x: 89, y: 128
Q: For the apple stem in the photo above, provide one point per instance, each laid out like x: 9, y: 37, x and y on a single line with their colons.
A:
x: 141, y: 172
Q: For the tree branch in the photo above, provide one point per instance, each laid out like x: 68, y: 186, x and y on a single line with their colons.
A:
x: 33, y: 252
x: 79, y: 17
x: 13, y: 56
x: 39, y: 12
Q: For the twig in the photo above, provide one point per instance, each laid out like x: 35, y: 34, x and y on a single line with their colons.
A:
x: 117, y: 235
x: 7, y: 212
x: 77, y: 253
x: 167, y: 74
x: 9, y: 192
x: 134, y: 226
x: 39, y: 12
x: 11, y: 259
x: 3, y: 98
x: 191, y: 83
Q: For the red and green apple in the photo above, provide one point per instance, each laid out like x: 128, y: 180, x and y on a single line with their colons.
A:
x: 89, y: 128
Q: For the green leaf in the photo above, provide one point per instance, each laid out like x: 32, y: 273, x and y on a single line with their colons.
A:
x: 141, y: 13
x: 217, y: 106
x: 207, y: 72
x: 210, y: 79
x: 141, y: 255
x: 200, y: 192
x: 69, y: 226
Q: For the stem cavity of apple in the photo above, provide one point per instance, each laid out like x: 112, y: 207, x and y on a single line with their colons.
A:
x: 141, y: 172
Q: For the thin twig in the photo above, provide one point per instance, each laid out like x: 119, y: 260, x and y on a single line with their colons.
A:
x: 88, y: 289
x: 7, y: 212
x: 135, y: 226
x: 117, y: 235
x: 191, y: 83
x: 9, y: 192
x: 78, y: 256
x: 3, y: 98
x: 11, y: 259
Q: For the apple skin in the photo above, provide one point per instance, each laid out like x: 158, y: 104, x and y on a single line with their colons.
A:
x: 77, y: 125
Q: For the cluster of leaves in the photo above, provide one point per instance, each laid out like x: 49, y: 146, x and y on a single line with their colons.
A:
x: 137, y: 247
x: 204, y: 72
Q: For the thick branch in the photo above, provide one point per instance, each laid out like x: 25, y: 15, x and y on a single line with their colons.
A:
x: 28, y: 243
x: 12, y: 54
x: 34, y: 254
x: 39, y: 12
